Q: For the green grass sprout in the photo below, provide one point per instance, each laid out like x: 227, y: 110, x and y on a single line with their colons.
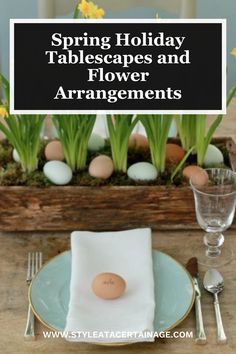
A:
x: 74, y: 132
x: 120, y: 128
x: 157, y: 128
x: 22, y: 131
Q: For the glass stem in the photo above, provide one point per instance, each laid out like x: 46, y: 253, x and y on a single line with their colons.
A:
x: 213, y: 241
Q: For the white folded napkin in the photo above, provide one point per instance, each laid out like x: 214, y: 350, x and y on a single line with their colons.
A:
x: 128, y: 254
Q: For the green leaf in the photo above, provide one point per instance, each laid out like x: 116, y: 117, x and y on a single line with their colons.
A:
x: 6, y: 88
x: 23, y: 132
x: 157, y: 129
x: 120, y: 129
x: 76, y: 11
x: 74, y: 132
x: 182, y: 162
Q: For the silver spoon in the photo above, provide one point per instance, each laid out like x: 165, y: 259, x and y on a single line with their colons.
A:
x: 214, y: 283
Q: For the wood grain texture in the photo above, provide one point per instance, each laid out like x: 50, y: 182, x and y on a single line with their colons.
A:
x: 179, y: 244
x: 103, y: 208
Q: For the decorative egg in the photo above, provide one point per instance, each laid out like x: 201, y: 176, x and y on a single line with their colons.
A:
x: 108, y: 286
x: 198, y: 175
x: 213, y: 156
x: 15, y: 156
x: 142, y: 171
x: 96, y: 142
x: 138, y: 141
x: 174, y: 153
x: 101, y: 167
x: 58, y: 172
x: 54, y: 151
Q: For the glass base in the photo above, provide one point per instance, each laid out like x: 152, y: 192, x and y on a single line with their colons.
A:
x: 225, y: 257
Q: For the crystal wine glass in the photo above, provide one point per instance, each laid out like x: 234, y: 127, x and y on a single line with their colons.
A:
x: 215, y: 208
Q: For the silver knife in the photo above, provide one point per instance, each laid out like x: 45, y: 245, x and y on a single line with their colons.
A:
x: 192, y: 267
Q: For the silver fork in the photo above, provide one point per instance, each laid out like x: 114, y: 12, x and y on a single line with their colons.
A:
x: 35, y: 260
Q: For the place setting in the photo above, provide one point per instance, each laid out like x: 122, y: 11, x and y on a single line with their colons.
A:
x: 112, y: 282
x: 112, y: 288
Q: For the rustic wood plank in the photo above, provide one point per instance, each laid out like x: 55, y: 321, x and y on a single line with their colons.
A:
x: 103, y: 208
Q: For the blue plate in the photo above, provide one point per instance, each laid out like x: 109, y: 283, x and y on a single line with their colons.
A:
x: 174, y: 292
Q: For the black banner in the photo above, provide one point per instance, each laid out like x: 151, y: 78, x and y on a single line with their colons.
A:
x: 122, y: 66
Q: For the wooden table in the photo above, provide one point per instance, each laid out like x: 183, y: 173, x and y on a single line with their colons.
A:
x: 179, y: 244
x: 13, y: 294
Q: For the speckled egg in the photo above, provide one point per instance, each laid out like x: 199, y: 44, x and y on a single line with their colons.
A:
x: 108, y: 286
x: 174, y: 153
x: 142, y: 171
x: 138, y: 141
x: 58, y: 172
x: 213, y: 156
x: 198, y: 175
x: 101, y: 167
x: 15, y: 156
x: 54, y: 151
x: 96, y: 142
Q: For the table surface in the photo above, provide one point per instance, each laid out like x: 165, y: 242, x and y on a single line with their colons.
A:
x: 179, y: 244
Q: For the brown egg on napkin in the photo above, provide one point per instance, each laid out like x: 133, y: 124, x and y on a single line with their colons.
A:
x: 108, y: 286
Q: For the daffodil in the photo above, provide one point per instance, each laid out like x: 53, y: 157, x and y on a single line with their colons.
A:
x: 99, y: 13
x: 89, y: 10
x: 84, y: 7
x: 233, y: 52
x: 3, y: 112
x: 96, y: 12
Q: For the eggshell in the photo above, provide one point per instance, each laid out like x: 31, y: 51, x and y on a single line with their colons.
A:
x: 213, y: 156
x: 54, y: 151
x: 96, y: 142
x: 174, y: 153
x: 198, y: 175
x: 101, y: 167
x: 58, y: 172
x: 108, y: 286
x: 142, y: 171
x: 138, y: 141
x: 15, y: 156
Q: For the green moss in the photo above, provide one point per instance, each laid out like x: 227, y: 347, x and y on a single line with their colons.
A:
x: 5, y: 153
x: 12, y: 175
x: 37, y: 179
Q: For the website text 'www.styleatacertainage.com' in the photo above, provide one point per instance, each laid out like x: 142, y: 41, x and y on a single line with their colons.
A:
x: 119, y: 335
